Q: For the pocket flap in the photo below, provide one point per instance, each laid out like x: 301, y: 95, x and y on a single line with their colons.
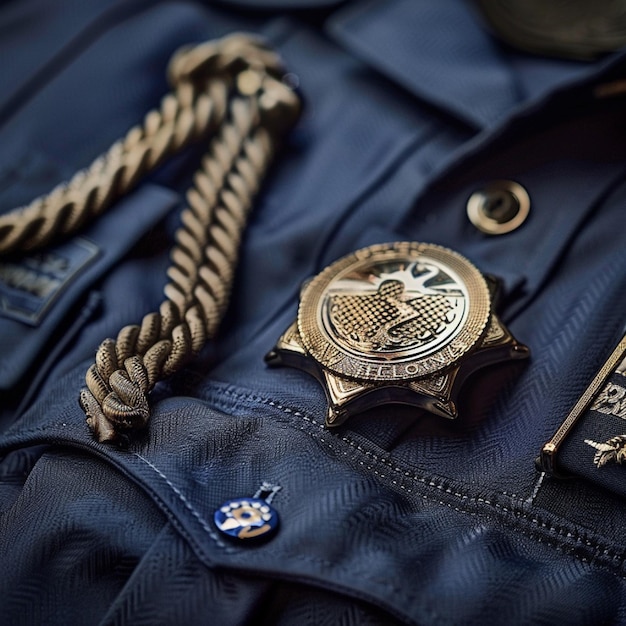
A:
x: 38, y: 290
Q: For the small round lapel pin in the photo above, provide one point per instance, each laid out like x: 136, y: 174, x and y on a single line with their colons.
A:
x: 246, y: 519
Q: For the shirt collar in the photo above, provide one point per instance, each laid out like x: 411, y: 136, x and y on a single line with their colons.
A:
x: 442, y: 53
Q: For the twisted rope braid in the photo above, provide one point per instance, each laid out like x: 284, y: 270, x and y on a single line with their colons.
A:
x: 184, y: 116
x: 230, y: 90
x: 201, y: 273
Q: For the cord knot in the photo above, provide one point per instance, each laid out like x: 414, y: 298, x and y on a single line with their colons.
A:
x: 228, y: 56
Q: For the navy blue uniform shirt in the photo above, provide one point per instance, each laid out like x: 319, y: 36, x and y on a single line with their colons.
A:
x: 410, y: 107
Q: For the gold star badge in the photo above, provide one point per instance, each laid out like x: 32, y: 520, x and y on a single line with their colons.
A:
x: 395, y: 323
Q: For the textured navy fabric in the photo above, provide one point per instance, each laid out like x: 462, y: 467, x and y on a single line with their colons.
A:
x: 398, y: 516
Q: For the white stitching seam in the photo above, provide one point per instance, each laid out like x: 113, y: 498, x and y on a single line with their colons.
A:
x: 599, y: 548
x: 184, y: 500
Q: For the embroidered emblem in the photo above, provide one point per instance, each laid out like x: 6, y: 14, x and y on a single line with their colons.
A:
x: 599, y: 418
x: 402, y: 322
x: 30, y: 285
x: 612, y: 451
x: 611, y: 401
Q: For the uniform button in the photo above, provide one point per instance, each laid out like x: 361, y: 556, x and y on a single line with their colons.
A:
x: 499, y: 208
x: 246, y: 519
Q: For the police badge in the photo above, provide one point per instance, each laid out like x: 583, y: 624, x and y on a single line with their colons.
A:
x: 396, y: 323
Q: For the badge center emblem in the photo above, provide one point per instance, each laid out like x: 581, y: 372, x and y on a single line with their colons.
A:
x: 394, y: 312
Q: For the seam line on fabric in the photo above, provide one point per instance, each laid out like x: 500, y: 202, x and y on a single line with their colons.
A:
x: 181, y: 496
x: 511, y: 510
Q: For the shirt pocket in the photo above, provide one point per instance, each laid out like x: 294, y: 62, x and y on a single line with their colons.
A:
x: 42, y: 292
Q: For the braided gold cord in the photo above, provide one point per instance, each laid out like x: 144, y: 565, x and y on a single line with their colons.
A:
x: 184, y: 116
x: 201, y: 273
x: 230, y: 90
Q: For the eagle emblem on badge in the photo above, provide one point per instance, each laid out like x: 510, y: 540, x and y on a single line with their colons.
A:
x: 398, y: 311
x: 402, y: 322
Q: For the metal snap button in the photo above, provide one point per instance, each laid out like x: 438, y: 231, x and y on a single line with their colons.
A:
x: 499, y: 208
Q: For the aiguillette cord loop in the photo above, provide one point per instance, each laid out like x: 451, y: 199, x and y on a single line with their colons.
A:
x: 229, y: 91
